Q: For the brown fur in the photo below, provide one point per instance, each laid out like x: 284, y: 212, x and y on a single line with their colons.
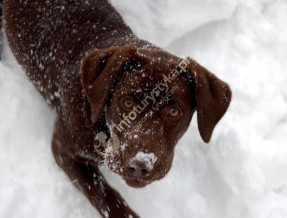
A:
x: 85, y: 61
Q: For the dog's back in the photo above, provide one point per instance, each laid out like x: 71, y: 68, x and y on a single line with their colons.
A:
x: 54, y: 35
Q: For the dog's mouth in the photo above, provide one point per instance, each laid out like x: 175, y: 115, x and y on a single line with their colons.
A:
x: 136, y: 183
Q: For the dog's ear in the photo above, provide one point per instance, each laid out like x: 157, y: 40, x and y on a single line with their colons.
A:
x: 213, y: 97
x: 99, y: 69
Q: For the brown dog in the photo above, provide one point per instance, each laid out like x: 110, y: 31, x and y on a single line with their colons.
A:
x: 104, y: 81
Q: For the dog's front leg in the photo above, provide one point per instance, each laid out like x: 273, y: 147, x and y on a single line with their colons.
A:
x: 91, y: 182
x: 87, y: 177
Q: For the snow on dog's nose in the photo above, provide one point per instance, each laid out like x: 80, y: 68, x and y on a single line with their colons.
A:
x: 141, y: 164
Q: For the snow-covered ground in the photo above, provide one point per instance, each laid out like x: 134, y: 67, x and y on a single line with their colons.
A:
x: 241, y: 173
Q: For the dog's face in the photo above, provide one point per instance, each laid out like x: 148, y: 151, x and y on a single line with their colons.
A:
x: 148, y: 115
x: 148, y: 98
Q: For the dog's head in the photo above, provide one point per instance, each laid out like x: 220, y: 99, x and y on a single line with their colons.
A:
x: 148, y: 97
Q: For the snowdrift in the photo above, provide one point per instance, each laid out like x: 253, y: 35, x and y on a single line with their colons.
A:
x: 242, y: 172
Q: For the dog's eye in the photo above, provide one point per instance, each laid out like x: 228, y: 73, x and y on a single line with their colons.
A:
x: 128, y: 103
x: 174, y: 112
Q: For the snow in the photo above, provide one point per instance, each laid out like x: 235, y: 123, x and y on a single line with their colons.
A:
x: 240, y: 173
x: 153, y: 20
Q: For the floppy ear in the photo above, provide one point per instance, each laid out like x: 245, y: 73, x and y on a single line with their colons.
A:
x: 213, y: 97
x: 99, y: 69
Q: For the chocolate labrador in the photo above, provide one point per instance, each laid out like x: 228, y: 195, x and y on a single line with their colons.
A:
x: 118, y: 99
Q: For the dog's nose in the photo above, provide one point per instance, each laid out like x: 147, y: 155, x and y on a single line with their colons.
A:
x: 138, y: 169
